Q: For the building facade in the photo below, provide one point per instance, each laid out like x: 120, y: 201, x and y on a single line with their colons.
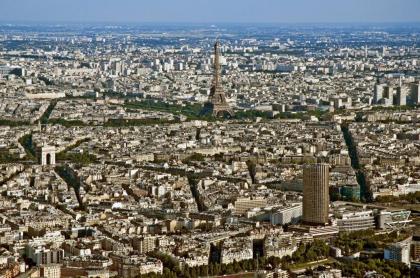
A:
x: 316, y: 193
x: 399, y: 252
x: 286, y: 215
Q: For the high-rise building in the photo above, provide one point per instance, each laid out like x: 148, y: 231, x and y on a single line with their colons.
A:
x: 217, y: 104
x: 401, y: 96
x: 415, y: 93
x: 388, y: 95
x: 315, y: 193
x: 377, y: 95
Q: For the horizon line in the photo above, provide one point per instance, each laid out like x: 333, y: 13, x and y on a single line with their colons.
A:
x: 25, y: 22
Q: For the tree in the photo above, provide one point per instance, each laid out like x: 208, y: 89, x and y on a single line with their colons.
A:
x: 236, y: 267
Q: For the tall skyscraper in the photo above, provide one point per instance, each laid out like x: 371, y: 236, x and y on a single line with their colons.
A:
x: 378, y: 93
x: 415, y: 93
x: 315, y: 193
x: 217, y: 105
x: 400, y: 96
x: 388, y: 95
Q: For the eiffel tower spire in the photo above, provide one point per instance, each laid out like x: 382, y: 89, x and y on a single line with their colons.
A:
x: 216, y: 76
x: 217, y: 105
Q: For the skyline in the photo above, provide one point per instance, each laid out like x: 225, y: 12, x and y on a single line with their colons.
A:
x: 181, y: 138
x: 205, y: 11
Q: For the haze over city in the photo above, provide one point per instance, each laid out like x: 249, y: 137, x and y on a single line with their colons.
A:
x: 211, y: 11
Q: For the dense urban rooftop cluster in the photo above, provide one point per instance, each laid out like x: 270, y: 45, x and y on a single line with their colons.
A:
x: 108, y: 168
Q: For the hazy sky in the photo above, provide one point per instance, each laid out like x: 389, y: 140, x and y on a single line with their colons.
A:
x: 209, y: 11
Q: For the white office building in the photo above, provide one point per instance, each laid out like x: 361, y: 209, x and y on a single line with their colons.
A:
x: 286, y: 215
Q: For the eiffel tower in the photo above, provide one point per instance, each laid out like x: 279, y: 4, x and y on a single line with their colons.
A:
x: 216, y: 104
